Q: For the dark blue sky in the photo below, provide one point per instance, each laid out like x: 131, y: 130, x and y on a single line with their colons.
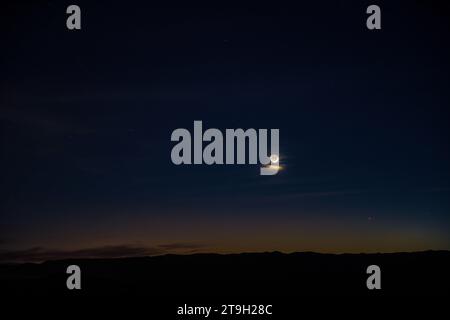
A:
x: 86, y: 118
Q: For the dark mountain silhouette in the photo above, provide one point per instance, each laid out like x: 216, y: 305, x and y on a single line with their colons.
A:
x: 236, y: 275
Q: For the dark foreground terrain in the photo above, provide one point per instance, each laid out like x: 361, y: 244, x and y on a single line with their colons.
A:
x: 239, y: 275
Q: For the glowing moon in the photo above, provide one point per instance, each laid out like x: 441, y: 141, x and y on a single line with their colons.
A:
x: 274, y: 158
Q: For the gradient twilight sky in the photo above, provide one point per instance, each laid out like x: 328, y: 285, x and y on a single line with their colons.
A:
x: 86, y: 118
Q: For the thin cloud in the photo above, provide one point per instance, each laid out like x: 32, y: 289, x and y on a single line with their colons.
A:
x: 44, y: 121
x: 177, y: 246
x: 39, y: 254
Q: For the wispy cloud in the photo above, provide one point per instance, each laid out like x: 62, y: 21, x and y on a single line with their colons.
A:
x: 40, y: 120
x: 181, y: 246
x: 39, y: 254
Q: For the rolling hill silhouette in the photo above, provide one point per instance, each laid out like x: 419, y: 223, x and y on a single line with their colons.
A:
x: 236, y: 275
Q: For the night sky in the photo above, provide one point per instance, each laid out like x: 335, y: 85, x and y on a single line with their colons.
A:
x: 86, y: 118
